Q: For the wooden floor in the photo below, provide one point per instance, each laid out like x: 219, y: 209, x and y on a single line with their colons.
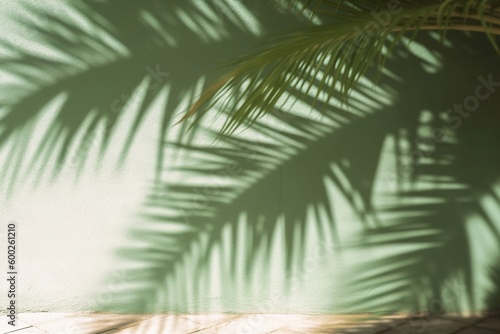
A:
x: 68, y: 323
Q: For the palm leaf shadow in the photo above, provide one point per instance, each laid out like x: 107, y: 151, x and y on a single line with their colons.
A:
x: 274, y: 174
x: 285, y: 178
x: 494, y: 295
x: 100, y: 61
x: 258, y: 188
x: 428, y: 263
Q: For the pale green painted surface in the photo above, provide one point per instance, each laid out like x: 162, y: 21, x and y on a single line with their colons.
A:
x: 267, y: 227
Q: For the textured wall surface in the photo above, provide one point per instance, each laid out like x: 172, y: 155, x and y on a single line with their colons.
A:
x: 389, y: 205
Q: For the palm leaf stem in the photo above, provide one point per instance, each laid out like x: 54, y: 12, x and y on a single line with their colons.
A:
x: 460, y: 27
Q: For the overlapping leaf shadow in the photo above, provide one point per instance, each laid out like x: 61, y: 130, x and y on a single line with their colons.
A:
x: 92, y: 62
x: 429, y: 263
x: 267, y: 186
x: 494, y: 293
x: 242, y: 187
x: 267, y: 181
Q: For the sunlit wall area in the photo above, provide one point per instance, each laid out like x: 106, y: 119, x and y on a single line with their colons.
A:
x: 390, y: 204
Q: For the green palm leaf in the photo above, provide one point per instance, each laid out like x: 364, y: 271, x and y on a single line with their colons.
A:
x: 337, y: 52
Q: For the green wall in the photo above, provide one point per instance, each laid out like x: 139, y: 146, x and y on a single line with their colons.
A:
x: 389, y: 205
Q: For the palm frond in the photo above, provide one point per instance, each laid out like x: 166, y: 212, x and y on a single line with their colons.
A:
x: 339, y: 52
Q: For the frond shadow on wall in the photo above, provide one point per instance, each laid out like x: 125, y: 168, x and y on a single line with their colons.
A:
x: 249, y: 197
x: 446, y: 164
x: 494, y: 296
x: 246, y: 196
x: 74, y: 77
x: 258, y: 207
